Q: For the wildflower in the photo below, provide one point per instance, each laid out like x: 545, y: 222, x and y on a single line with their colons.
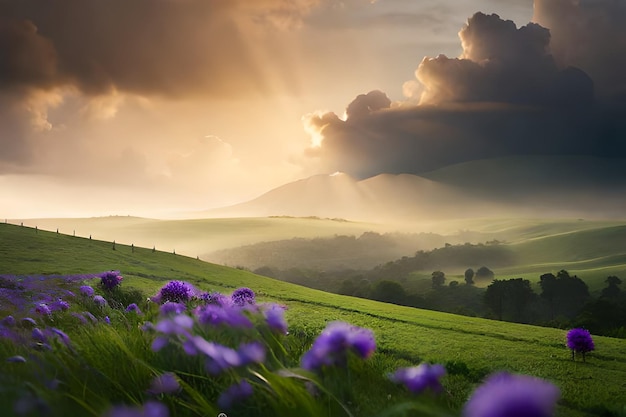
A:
x: 175, y: 291
x: 134, y: 308
x: 579, y: 341
x: 242, y: 296
x: 100, y: 300
x: 332, y: 345
x: 8, y: 321
x: 43, y: 309
x: 62, y: 336
x: 508, y: 395
x: 275, y: 318
x: 219, y: 358
x: 38, y: 335
x: 172, y: 308
x: 110, y: 280
x: 16, y: 359
x: 149, y: 409
x: 107, y: 320
x: 80, y: 317
x: 234, y: 393
x: 86, y: 290
x: 215, y: 315
x: 253, y: 352
x: 420, y: 378
x: 27, y: 321
x: 214, y: 297
x: 165, y: 383
x: 60, y: 305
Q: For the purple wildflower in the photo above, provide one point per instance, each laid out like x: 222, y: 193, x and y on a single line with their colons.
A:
x: 275, y: 318
x: 8, y: 321
x: 332, y: 345
x: 214, y: 297
x: 80, y: 317
x: 27, y: 321
x: 107, y: 320
x: 86, y: 290
x: 62, y: 336
x: 16, y: 359
x: 234, y: 393
x: 172, y: 308
x: 60, y: 305
x: 215, y: 315
x: 508, y: 395
x: 580, y: 341
x: 219, y: 357
x: 110, y: 280
x: 242, y: 296
x: 175, y: 291
x: 165, y: 383
x: 38, y: 335
x: 43, y: 309
x: 149, y: 409
x: 420, y: 378
x: 99, y: 300
x: 253, y: 352
x: 134, y: 308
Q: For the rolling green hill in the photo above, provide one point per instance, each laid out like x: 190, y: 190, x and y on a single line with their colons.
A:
x: 479, y: 345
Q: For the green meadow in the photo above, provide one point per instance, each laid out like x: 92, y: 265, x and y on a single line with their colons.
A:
x: 471, y: 348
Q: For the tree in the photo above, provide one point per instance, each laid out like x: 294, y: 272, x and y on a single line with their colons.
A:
x: 612, y: 289
x: 509, y: 297
x: 439, y: 278
x: 469, y: 276
x: 484, y: 273
x: 389, y: 292
x: 548, y: 284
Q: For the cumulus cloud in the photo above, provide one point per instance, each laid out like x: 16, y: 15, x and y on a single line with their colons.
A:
x: 506, y: 94
x: 588, y: 34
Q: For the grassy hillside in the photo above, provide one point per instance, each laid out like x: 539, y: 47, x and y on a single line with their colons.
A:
x: 477, y: 346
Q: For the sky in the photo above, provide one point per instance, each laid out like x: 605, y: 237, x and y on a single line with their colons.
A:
x: 157, y: 107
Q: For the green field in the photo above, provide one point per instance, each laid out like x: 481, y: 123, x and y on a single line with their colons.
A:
x: 411, y: 334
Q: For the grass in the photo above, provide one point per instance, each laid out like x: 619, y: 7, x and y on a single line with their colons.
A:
x: 471, y: 347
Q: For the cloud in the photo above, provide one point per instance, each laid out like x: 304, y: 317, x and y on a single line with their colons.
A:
x: 504, y: 95
x: 588, y: 34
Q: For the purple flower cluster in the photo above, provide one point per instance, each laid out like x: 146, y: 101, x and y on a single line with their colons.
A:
x: 508, y: 395
x: 149, y: 409
x: 133, y: 307
x: 110, y: 280
x: 275, y: 318
x: 580, y: 341
x: 333, y: 344
x: 214, y: 297
x: 175, y: 292
x: 43, y: 309
x: 165, y: 383
x: 99, y: 300
x: 420, y: 378
x: 86, y: 291
x: 234, y: 394
x: 172, y: 308
x: 228, y: 315
x: 243, y: 296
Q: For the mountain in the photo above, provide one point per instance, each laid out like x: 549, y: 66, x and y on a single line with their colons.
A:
x: 530, y: 186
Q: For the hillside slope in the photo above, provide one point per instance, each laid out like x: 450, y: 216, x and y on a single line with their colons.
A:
x: 480, y: 345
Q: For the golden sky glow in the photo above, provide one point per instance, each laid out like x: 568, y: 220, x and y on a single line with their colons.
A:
x: 142, y: 111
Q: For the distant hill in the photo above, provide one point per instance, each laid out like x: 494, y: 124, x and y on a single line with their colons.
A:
x: 529, y: 186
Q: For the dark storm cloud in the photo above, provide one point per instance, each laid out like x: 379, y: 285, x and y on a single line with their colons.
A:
x: 591, y: 35
x: 168, y: 47
x: 506, y: 95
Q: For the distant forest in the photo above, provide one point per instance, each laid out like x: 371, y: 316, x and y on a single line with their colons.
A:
x: 560, y: 301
